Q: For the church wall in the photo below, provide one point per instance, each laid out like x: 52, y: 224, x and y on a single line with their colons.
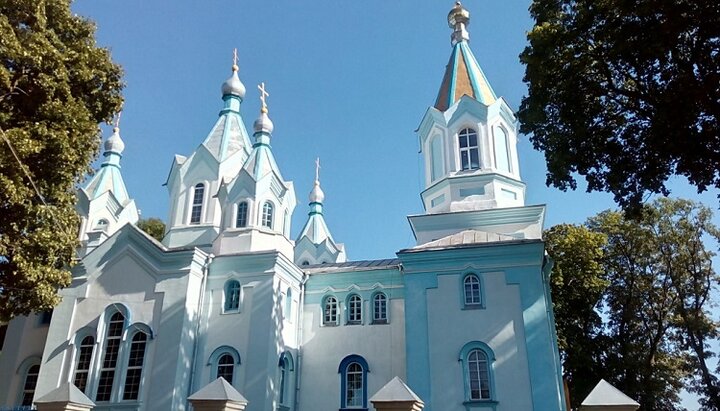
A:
x: 324, y: 347
x: 24, y: 344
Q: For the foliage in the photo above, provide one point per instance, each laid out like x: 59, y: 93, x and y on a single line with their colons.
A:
x: 56, y: 85
x: 152, y: 226
x: 641, y: 320
x: 624, y: 93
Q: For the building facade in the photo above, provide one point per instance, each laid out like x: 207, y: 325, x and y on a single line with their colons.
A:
x: 464, y: 317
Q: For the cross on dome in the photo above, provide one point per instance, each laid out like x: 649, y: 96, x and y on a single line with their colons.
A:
x: 317, y: 169
x: 263, y: 95
x: 235, y: 60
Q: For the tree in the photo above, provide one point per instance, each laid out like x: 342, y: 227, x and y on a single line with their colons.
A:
x: 152, y: 226
x: 624, y: 93
x: 632, y: 299
x: 56, y: 86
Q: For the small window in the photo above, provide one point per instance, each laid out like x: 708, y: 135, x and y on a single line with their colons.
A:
x: 226, y: 368
x: 380, y: 309
x: 82, y: 363
x: 197, y: 204
x: 232, y: 295
x: 110, y: 356
x: 136, y: 359
x: 31, y: 377
x: 267, y: 215
x: 306, y: 262
x: 477, y: 358
x: 471, y: 291
x: 469, y: 149
x: 101, y: 224
x: 241, y: 218
x: 330, y: 307
x: 353, y: 382
x: 354, y: 309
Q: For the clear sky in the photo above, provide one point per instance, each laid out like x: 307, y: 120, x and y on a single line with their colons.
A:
x: 349, y: 82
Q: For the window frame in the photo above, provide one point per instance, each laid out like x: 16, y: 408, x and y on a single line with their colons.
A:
x: 267, y: 215
x: 467, y: 133
x: 244, y: 214
x: 103, y: 353
x: 24, y: 369
x: 214, y: 362
x: 464, y: 358
x: 349, y: 308
x: 480, y: 293
x: 80, y: 338
x: 343, y: 371
x: 286, y: 367
x: 375, y: 318
x: 128, y: 368
x: 323, y: 310
x: 194, y: 203
x: 227, y: 296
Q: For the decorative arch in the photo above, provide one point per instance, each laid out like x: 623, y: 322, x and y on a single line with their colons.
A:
x: 477, y: 359
x: 437, y: 158
x: 501, y: 145
x: 353, y: 372
x: 224, y: 362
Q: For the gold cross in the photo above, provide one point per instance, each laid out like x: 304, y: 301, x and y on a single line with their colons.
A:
x: 263, y: 94
x: 317, y: 169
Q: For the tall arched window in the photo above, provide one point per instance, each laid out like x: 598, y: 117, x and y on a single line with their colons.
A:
x: 469, y: 149
x: 436, y: 158
x: 353, y: 382
x: 232, y: 295
x: 477, y: 358
x: 286, y: 366
x: 226, y: 367
x: 241, y: 218
x: 197, y: 204
x: 502, y: 154
x: 31, y: 377
x: 108, y: 366
x: 380, y: 309
x: 354, y: 308
x: 471, y: 291
x: 82, y: 364
x: 330, y: 307
x: 267, y: 215
x: 136, y: 359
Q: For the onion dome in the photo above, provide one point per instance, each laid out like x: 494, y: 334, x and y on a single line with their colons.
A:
x: 233, y: 86
x: 458, y: 20
x: 114, y: 143
x: 263, y: 124
x: 316, y: 194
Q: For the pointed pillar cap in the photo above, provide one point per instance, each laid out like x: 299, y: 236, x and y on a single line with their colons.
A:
x: 66, y: 394
x: 218, y: 390
x: 395, y: 391
x: 605, y: 396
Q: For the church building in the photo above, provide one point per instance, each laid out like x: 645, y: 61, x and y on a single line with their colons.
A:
x: 464, y: 317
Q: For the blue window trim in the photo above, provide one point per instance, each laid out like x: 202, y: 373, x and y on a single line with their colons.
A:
x: 226, y: 293
x: 372, y: 308
x: 287, y: 363
x: 481, y: 280
x: 463, y: 359
x: 215, y: 357
x: 342, y: 369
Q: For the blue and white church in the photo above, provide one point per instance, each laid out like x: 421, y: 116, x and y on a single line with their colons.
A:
x: 464, y: 317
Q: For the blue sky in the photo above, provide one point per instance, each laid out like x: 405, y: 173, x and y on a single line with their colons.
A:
x: 349, y: 82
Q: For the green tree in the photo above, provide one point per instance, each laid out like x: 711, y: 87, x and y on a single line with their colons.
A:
x: 152, y: 226
x: 578, y: 283
x: 56, y: 86
x: 625, y: 93
x: 634, y: 308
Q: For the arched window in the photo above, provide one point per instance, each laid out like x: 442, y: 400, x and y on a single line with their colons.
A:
x: 330, y: 307
x: 354, y: 305
x: 353, y: 382
x: 197, y: 204
x: 469, y: 149
x: 82, y: 363
x: 232, y: 295
x: 136, y: 359
x: 306, y: 262
x: 286, y: 366
x: 502, y: 154
x: 31, y: 377
x: 267, y: 215
x: 437, y: 168
x: 471, y: 291
x: 241, y: 218
x: 113, y: 337
x: 380, y: 309
x: 102, y: 224
x: 226, y: 367
x: 476, y: 358
x: 224, y: 361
